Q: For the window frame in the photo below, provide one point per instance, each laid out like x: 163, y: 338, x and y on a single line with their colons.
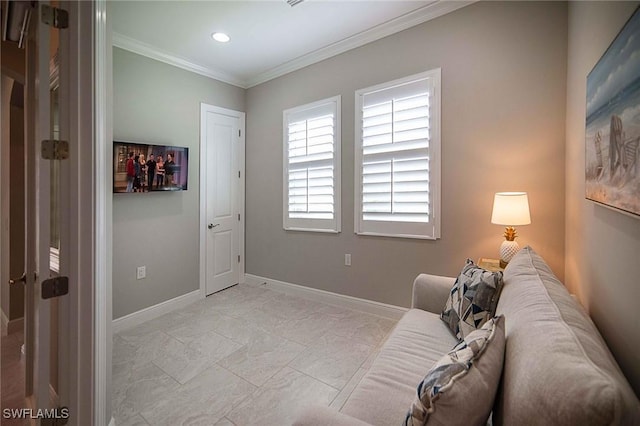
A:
x: 307, y: 224
x: 416, y: 230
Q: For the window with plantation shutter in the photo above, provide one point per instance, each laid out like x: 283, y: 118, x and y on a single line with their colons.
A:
x: 397, y: 156
x: 312, y: 167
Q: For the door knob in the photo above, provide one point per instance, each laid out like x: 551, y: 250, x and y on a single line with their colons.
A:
x: 22, y: 279
x: 211, y: 225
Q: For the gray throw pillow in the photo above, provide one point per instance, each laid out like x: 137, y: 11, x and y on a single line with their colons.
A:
x: 472, y: 300
x: 461, y: 387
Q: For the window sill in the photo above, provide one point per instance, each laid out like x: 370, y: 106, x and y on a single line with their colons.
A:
x: 410, y: 236
x: 324, y: 231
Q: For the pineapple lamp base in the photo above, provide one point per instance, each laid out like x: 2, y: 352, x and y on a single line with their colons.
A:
x: 508, y: 249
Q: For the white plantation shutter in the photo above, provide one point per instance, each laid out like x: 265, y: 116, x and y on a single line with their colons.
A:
x: 312, y: 164
x: 397, y: 161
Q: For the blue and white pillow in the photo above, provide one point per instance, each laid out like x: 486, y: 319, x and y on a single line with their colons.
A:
x: 472, y: 300
x: 461, y: 387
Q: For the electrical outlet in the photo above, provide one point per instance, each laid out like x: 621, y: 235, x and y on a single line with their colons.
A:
x: 347, y: 259
x: 141, y: 272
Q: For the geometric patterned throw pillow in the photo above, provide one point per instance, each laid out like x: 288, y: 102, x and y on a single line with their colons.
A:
x: 472, y: 300
x: 460, y: 388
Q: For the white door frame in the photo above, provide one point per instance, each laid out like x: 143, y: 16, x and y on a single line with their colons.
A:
x: 90, y: 218
x: 90, y: 213
x: 204, y: 108
x: 5, y: 94
x: 98, y: 34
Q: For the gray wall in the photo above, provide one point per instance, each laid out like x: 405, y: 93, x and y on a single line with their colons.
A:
x: 602, y: 245
x: 503, y: 128
x: 159, y: 103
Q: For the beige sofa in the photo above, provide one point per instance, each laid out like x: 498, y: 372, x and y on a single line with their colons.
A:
x: 557, y: 368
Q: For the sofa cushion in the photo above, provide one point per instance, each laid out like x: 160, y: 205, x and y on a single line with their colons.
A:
x: 419, y: 340
x: 461, y: 386
x: 472, y: 300
x: 557, y: 368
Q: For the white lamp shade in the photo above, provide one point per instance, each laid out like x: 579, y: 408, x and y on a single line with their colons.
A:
x: 511, y: 209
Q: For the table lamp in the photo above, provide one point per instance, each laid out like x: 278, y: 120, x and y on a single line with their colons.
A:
x: 510, y: 209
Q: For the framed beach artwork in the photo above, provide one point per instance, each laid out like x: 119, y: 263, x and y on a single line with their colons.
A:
x: 612, y: 145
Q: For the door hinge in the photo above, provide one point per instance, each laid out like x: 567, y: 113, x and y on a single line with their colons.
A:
x: 238, y: 174
x: 238, y: 216
x: 239, y: 133
x: 52, y: 149
x: 238, y: 258
x: 55, y: 287
x: 54, y: 17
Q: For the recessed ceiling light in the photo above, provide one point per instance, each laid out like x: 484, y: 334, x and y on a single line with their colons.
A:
x: 221, y: 37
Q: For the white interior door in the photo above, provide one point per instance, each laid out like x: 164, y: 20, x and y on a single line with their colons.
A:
x: 65, y: 365
x: 222, y: 133
x: 46, y: 233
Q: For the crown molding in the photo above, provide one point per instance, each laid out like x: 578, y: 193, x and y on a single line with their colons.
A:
x: 132, y: 45
x: 431, y: 11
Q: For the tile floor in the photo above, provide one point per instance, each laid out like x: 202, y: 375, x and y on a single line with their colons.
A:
x: 244, y: 356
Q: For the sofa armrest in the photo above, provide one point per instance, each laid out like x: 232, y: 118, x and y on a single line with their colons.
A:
x: 325, y: 416
x: 430, y: 292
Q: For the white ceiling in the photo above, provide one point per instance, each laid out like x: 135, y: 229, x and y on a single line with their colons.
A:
x: 269, y: 38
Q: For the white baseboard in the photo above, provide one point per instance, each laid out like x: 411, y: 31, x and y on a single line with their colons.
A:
x: 10, y: 326
x: 155, y: 311
x: 363, y: 305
